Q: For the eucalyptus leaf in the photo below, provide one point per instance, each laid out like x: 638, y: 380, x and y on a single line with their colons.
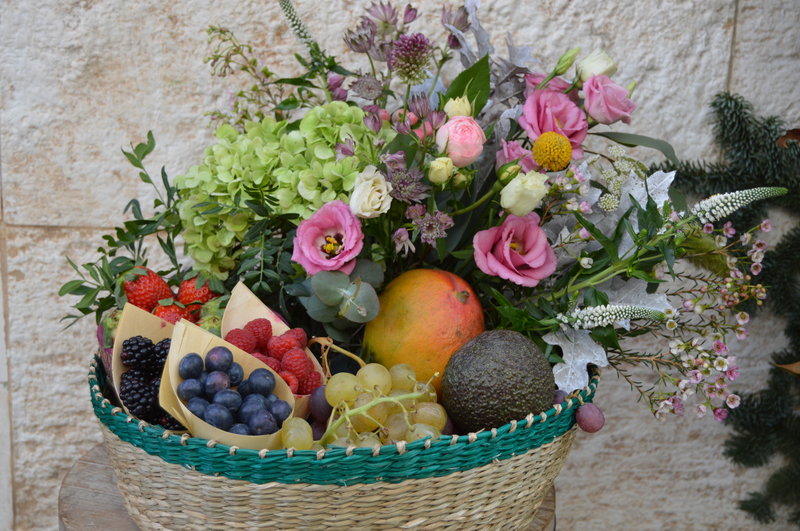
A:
x: 632, y: 140
x: 330, y: 286
x: 369, y: 272
x: 361, y: 305
x: 318, y: 310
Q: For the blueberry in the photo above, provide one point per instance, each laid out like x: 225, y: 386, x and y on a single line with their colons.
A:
x: 280, y: 410
x: 228, y: 398
x: 218, y: 359
x: 197, y: 406
x: 262, y: 423
x: 261, y: 381
x: 203, y: 377
x: 272, y: 398
x: 236, y: 374
x: 259, y: 399
x: 218, y: 416
x: 244, y: 388
x: 190, y: 366
x: 216, y: 382
x: 189, y: 389
x: 240, y: 429
x: 248, y: 409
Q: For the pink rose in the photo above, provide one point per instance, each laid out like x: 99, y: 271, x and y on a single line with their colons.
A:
x: 517, y: 250
x: 606, y: 101
x: 547, y: 110
x: 559, y: 84
x: 462, y: 139
x: 512, y: 151
x: 330, y: 240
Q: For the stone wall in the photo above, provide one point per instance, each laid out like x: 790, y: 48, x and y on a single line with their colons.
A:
x: 81, y: 78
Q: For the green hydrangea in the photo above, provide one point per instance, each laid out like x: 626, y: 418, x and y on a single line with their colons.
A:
x: 300, y: 165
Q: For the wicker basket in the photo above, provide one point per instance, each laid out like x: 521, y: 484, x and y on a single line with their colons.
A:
x: 494, y: 479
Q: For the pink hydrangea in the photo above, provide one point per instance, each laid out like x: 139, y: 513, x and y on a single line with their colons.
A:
x: 547, y: 110
x: 330, y: 240
x: 517, y: 250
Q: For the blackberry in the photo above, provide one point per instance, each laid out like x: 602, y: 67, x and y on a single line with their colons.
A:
x: 137, y: 353
x: 167, y: 421
x: 136, y: 392
x: 160, y: 351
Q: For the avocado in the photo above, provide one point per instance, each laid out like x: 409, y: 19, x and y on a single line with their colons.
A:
x: 497, y: 377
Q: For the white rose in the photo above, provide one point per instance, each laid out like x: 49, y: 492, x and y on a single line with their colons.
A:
x: 440, y: 170
x: 370, y: 196
x: 596, y: 63
x: 524, y: 193
x: 458, y: 107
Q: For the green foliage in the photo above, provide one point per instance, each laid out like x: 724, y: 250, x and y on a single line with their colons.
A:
x: 767, y: 422
x: 472, y: 83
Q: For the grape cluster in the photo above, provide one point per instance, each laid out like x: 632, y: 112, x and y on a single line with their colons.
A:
x: 379, y: 406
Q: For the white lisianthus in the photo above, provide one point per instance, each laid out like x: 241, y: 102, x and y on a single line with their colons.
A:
x: 597, y: 63
x: 440, y: 170
x: 370, y: 196
x: 458, y: 107
x: 524, y: 193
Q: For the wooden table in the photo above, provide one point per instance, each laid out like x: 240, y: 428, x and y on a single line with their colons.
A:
x: 89, y: 499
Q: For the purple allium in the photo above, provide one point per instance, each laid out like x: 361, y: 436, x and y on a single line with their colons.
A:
x: 402, y: 242
x: 408, y: 186
x: 410, y: 14
x: 433, y: 226
x: 410, y: 57
x: 361, y: 39
x: 367, y: 87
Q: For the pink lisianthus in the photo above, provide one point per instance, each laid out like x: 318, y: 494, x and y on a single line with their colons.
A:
x: 462, y: 139
x: 512, y: 151
x: 606, y: 101
x: 330, y: 240
x: 558, y: 84
x: 547, y: 110
x: 517, y: 250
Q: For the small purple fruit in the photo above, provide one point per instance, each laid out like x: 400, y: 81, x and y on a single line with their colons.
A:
x: 218, y: 359
x: 318, y: 429
x: 590, y: 418
x: 261, y: 381
x: 191, y: 366
x: 197, y: 406
x: 218, y: 416
x: 559, y: 396
x: 236, y: 374
x: 244, y: 388
x: 249, y: 408
x: 216, y: 382
x: 449, y: 427
x: 189, y: 389
x: 281, y: 410
x: 319, y: 406
x: 240, y: 429
x: 262, y: 423
x: 228, y: 398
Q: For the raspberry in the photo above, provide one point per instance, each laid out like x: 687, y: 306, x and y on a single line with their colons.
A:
x: 272, y: 363
x: 295, y: 361
x: 242, y: 339
x: 300, y: 334
x: 261, y: 330
x: 311, y: 381
x: 277, y: 346
x: 290, y: 379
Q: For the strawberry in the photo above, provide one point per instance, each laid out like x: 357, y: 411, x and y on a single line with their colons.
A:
x: 300, y: 335
x: 192, y: 296
x: 291, y: 380
x: 277, y: 346
x: 262, y: 330
x: 309, y: 382
x: 295, y: 361
x: 242, y: 339
x: 173, y: 313
x: 146, y: 290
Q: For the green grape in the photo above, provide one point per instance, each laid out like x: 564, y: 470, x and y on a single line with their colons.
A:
x: 420, y: 431
x: 403, y: 377
x: 342, y: 441
x: 375, y: 376
x: 428, y: 389
x: 345, y: 431
x: 430, y: 413
x: 394, y: 407
x: 368, y: 440
x: 395, y: 428
x: 296, y: 433
x: 378, y: 412
x: 342, y: 387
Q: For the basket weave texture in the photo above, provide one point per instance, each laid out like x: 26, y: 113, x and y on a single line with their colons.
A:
x: 493, y: 479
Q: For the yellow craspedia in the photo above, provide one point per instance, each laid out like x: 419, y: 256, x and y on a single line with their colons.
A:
x: 552, y: 151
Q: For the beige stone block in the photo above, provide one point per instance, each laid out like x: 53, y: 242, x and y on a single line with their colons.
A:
x: 6, y: 476
x: 52, y: 422
x: 766, y: 58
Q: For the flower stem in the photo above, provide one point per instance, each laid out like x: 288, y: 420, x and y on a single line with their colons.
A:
x: 333, y: 426
x: 496, y: 188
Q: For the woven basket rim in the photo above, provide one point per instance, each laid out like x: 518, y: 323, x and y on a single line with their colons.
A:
x: 101, y: 401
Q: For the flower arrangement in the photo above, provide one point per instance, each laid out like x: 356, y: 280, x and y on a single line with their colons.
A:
x: 323, y: 189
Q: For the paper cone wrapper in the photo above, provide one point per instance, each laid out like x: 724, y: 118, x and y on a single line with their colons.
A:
x: 242, y: 308
x: 187, y: 338
x: 135, y: 322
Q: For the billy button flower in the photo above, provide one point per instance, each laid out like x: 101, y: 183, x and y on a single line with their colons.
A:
x: 552, y: 151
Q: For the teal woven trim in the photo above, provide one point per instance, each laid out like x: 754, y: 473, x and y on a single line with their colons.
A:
x: 419, y: 459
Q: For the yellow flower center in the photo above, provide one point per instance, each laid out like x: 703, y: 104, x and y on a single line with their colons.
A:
x: 333, y: 245
x: 552, y: 151
x: 515, y: 246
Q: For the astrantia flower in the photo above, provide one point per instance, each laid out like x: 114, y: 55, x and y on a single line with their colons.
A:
x: 407, y: 186
x: 383, y: 13
x: 415, y: 212
x: 410, y: 57
x: 402, y: 242
x: 457, y: 17
x: 361, y: 39
x: 367, y: 87
x: 433, y: 226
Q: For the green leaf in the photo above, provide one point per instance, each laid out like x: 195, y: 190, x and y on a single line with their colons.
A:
x: 463, y: 254
x: 133, y: 159
x: 474, y: 84
x: 632, y: 140
x: 295, y: 81
x: 608, y: 245
x: 330, y: 286
x: 606, y: 336
x: 70, y: 287
x: 362, y: 305
x: 318, y: 310
x: 369, y: 272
